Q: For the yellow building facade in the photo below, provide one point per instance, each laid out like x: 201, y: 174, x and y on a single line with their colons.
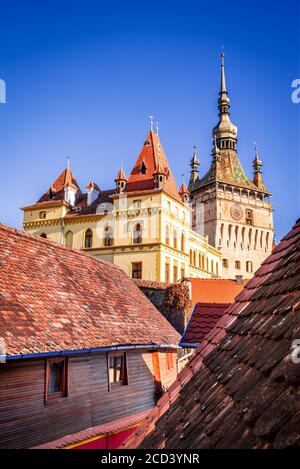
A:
x: 143, y: 225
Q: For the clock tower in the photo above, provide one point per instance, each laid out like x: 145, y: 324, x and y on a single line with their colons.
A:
x: 232, y: 210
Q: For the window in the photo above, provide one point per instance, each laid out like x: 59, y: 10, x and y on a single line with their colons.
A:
x: 225, y: 263
x: 175, y: 239
x: 42, y: 214
x: 217, y: 268
x: 137, y: 203
x: 56, y: 378
x: 191, y: 257
x: 238, y: 265
x: 88, y: 239
x: 108, y: 236
x: 117, y: 370
x: 175, y: 273
x: 143, y: 168
x: 249, y: 217
x: 137, y: 234
x: 43, y: 235
x: 167, y: 235
x: 182, y: 273
x: 182, y: 242
x: 137, y: 270
x: 167, y: 272
x: 212, y: 267
x: 249, y: 266
x: 69, y: 239
x: 170, y: 360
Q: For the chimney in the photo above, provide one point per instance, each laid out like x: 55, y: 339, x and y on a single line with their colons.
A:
x: 92, y: 192
x: 239, y: 279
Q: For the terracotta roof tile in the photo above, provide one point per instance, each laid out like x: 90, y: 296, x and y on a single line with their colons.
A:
x: 53, y: 298
x: 150, y: 156
x: 203, y: 319
x: 244, y: 389
x: 210, y: 290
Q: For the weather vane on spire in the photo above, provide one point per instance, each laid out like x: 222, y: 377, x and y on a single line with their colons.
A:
x: 156, y: 125
x: 151, y: 122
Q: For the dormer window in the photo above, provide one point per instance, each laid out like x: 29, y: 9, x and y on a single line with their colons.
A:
x: 147, y: 143
x: 143, y: 168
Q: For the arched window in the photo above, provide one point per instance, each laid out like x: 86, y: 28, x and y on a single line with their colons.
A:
x: 194, y: 258
x: 108, y: 236
x: 43, y: 235
x: 217, y: 268
x: 137, y: 234
x: 175, y: 239
x: 267, y: 241
x: 167, y: 235
x: 182, y: 242
x: 69, y: 239
x: 191, y: 257
x: 212, y: 266
x: 88, y: 239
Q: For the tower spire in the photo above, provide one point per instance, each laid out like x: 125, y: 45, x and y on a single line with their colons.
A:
x: 195, y: 168
x: 257, y: 167
x: 225, y: 131
x: 223, y: 103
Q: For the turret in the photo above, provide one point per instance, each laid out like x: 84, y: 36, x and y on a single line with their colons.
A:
x: 159, y: 176
x: 195, y: 169
x: 184, y: 193
x: 120, y: 181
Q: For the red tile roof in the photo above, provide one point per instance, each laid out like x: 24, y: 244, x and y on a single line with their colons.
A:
x: 53, y: 298
x: 65, y: 179
x: 215, y: 290
x: 203, y: 319
x: 241, y: 390
x: 151, y: 155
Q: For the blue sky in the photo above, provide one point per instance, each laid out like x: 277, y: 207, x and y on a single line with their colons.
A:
x: 82, y: 78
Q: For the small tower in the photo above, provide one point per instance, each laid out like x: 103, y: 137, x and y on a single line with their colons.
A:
x: 257, y: 176
x: 120, y: 181
x: 184, y: 193
x: 159, y: 176
x: 195, y: 169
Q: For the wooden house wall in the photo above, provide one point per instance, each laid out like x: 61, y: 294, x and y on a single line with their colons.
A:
x: 26, y: 421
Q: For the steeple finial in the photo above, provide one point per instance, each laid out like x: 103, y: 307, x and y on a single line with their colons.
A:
x: 156, y: 125
x: 151, y: 122
x: 223, y: 81
x: 68, y: 162
x: 194, y: 171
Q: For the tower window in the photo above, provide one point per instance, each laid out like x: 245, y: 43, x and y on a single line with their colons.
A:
x: 137, y: 270
x: 225, y: 263
x: 108, y: 236
x: 143, y: 168
x: 249, y: 266
x: 42, y: 214
x: 137, y: 234
x: 238, y: 265
x: 88, y: 239
x: 249, y: 217
x: 175, y: 273
x: 43, y: 235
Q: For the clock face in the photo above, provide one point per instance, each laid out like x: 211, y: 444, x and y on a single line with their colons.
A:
x: 236, y: 212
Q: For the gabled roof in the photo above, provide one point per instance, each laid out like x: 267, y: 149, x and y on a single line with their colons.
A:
x: 241, y: 390
x: 203, y: 319
x: 151, y: 155
x: 56, y: 190
x: 53, y: 298
x: 215, y: 290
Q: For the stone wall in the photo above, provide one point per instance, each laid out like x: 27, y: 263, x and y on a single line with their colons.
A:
x: 156, y: 292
